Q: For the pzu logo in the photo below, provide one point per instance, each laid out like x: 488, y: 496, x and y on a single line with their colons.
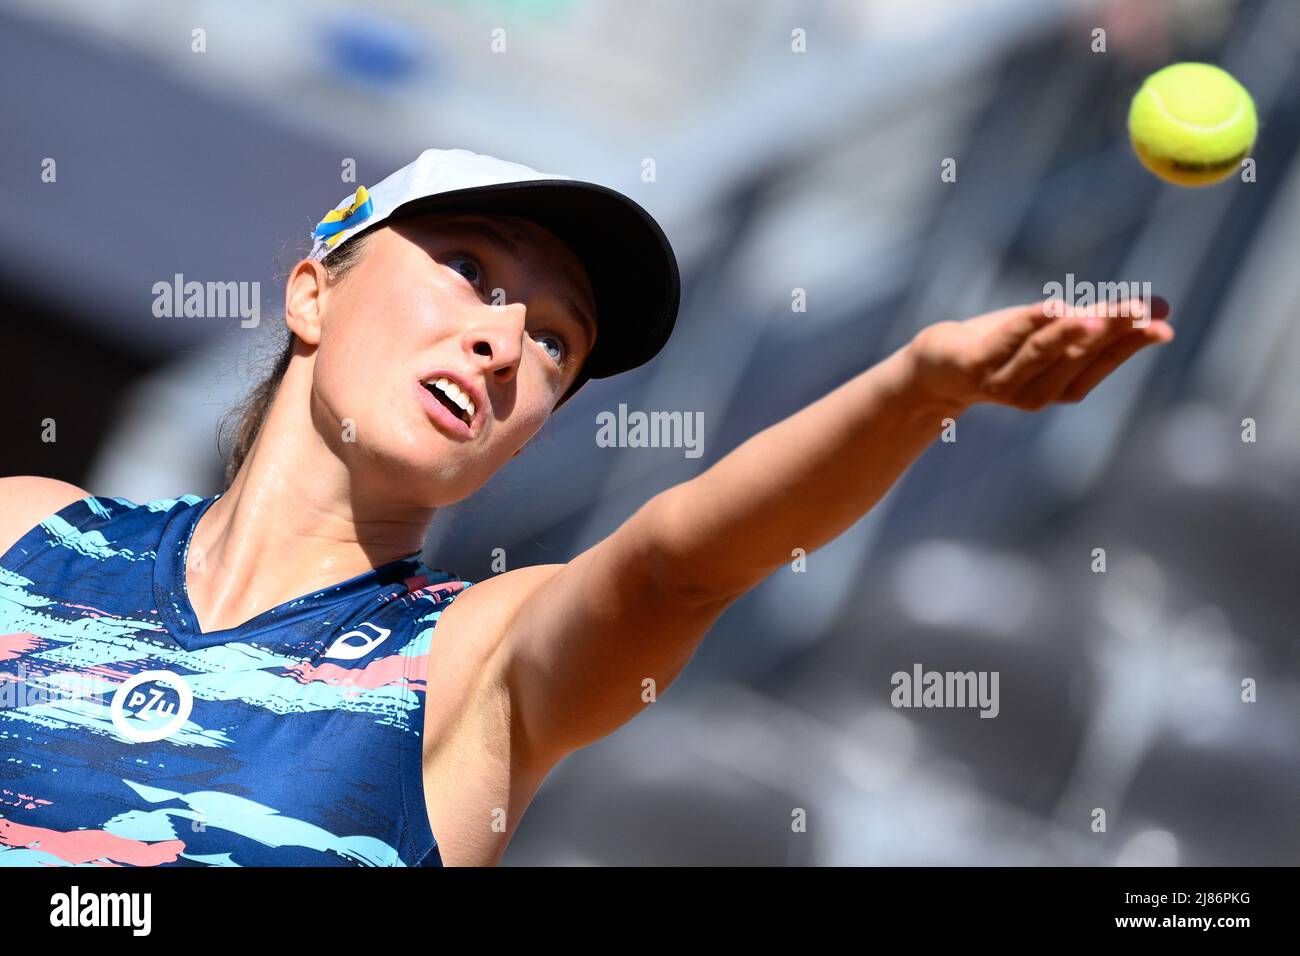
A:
x: 151, y: 705
x: 357, y: 644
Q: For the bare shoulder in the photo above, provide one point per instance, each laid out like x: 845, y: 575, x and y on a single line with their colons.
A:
x: 483, y: 612
x: 26, y: 501
x: 496, y: 599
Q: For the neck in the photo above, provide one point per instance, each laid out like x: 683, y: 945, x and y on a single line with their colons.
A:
x: 293, y: 521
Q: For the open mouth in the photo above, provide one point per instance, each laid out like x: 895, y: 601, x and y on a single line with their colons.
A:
x: 440, y: 389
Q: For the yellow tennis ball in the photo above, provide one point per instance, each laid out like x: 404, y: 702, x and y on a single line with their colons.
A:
x: 1192, y: 124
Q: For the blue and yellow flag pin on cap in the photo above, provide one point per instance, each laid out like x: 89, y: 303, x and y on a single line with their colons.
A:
x: 338, y: 221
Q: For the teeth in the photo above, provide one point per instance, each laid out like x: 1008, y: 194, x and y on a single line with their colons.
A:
x: 454, y: 392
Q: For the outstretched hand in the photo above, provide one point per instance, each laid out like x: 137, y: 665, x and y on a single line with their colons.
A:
x: 1029, y: 356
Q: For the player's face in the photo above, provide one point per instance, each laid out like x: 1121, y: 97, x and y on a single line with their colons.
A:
x: 499, y: 305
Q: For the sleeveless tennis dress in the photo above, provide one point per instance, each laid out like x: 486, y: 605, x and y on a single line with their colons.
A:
x: 128, y: 737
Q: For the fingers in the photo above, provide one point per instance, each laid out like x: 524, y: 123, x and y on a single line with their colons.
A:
x: 1035, y: 354
x: 1112, y: 358
x: 1114, y: 334
x: 1005, y: 331
x: 1105, y: 325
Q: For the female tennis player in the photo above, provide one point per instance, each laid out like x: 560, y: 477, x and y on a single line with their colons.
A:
x: 272, y: 676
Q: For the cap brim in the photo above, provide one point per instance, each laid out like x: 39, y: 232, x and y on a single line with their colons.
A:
x: 629, y: 261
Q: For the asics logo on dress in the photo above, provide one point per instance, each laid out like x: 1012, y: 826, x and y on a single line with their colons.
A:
x: 358, y: 643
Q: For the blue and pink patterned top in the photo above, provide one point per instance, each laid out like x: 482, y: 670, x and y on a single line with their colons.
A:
x: 128, y: 737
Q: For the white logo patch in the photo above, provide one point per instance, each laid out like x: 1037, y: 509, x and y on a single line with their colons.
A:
x: 357, y: 644
x: 154, y: 716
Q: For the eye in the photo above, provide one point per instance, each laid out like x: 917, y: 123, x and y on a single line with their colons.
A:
x: 561, y: 346
x: 469, y: 270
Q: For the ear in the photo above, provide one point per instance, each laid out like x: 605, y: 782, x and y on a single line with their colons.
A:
x: 303, y: 295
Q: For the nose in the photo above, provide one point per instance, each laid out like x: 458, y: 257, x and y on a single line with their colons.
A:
x: 494, y: 340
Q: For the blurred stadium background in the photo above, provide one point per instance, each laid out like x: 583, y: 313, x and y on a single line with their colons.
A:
x: 774, y: 171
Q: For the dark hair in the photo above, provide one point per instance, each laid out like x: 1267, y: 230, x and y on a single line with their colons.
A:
x: 245, y: 419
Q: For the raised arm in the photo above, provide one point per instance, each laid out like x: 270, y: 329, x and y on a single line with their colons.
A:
x: 806, y: 479
x: 584, y: 640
